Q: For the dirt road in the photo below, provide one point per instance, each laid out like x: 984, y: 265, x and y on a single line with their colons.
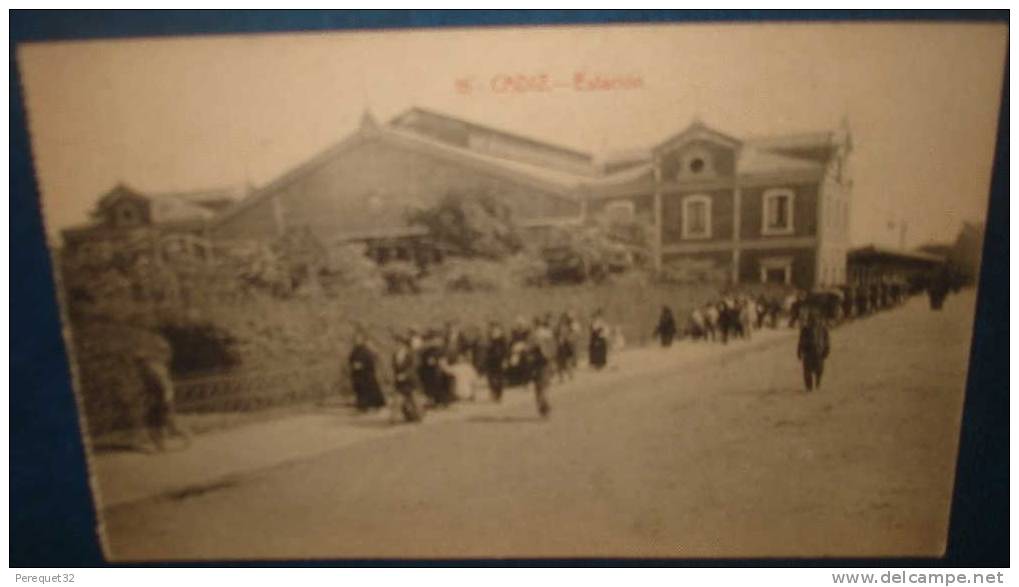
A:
x: 715, y: 460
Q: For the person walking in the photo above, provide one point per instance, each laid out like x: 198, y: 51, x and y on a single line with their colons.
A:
x: 404, y: 380
x: 665, y: 331
x: 813, y: 348
x: 429, y: 371
x: 363, y: 379
x: 541, y: 349
x: 566, y: 348
x: 748, y: 316
x: 152, y: 356
x: 728, y: 319
x: 712, y: 319
x: 496, y: 353
x: 598, y: 346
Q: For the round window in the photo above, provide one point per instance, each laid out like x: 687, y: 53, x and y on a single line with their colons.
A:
x: 697, y: 165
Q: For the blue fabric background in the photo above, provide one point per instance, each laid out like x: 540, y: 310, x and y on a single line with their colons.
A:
x: 52, y: 519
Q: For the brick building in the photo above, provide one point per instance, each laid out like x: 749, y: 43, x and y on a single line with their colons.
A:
x: 771, y: 209
x: 765, y: 209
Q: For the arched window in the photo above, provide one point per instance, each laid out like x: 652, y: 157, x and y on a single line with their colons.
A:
x: 777, y: 212
x: 697, y: 216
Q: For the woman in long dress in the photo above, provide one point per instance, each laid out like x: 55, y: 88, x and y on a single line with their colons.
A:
x: 405, y: 380
x: 665, y: 331
x: 598, y: 347
x: 362, y: 375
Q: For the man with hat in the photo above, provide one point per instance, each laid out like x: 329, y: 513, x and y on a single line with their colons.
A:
x: 813, y: 348
x: 496, y: 354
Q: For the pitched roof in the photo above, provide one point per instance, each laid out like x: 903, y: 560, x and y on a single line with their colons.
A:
x: 457, y: 132
x: 444, y: 135
x: 545, y: 177
x: 816, y: 145
x: 171, y: 207
x: 215, y: 199
x: 557, y: 182
x: 697, y: 128
x: 753, y: 161
x: 750, y: 161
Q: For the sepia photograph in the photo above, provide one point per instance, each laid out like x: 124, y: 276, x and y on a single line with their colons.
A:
x: 655, y: 291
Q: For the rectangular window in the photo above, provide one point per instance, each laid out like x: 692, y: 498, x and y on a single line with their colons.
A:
x: 697, y: 216
x: 778, y: 212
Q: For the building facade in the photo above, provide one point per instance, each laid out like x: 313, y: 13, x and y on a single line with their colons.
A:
x: 162, y: 225
x: 765, y: 209
x: 364, y: 188
x: 771, y: 210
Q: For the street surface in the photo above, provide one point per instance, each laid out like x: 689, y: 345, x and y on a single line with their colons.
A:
x: 725, y: 457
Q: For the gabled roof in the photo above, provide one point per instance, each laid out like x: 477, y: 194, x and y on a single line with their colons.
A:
x: 613, y: 162
x: 749, y: 161
x: 553, y: 181
x: 457, y: 132
x: 117, y: 193
x: 215, y: 199
x: 698, y: 130
x: 753, y: 161
x: 817, y: 146
x: 166, y: 208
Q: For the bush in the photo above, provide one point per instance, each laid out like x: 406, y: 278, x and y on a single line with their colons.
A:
x: 401, y: 277
x: 471, y: 225
x: 348, y: 266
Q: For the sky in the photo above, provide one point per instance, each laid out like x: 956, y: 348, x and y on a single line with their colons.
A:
x: 161, y: 115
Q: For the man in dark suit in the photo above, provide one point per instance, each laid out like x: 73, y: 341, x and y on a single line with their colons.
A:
x: 813, y: 348
x: 496, y: 352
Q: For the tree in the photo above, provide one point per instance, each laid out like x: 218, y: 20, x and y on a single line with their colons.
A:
x: 471, y: 225
x: 348, y: 266
x: 594, y: 250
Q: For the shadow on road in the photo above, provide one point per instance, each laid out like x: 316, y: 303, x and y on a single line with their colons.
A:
x: 505, y: 419
x: 377, y: 424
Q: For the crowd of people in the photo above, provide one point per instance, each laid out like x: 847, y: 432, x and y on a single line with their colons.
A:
x: 735, y: 316
x: 738, y: 315
x: 451, y: 364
